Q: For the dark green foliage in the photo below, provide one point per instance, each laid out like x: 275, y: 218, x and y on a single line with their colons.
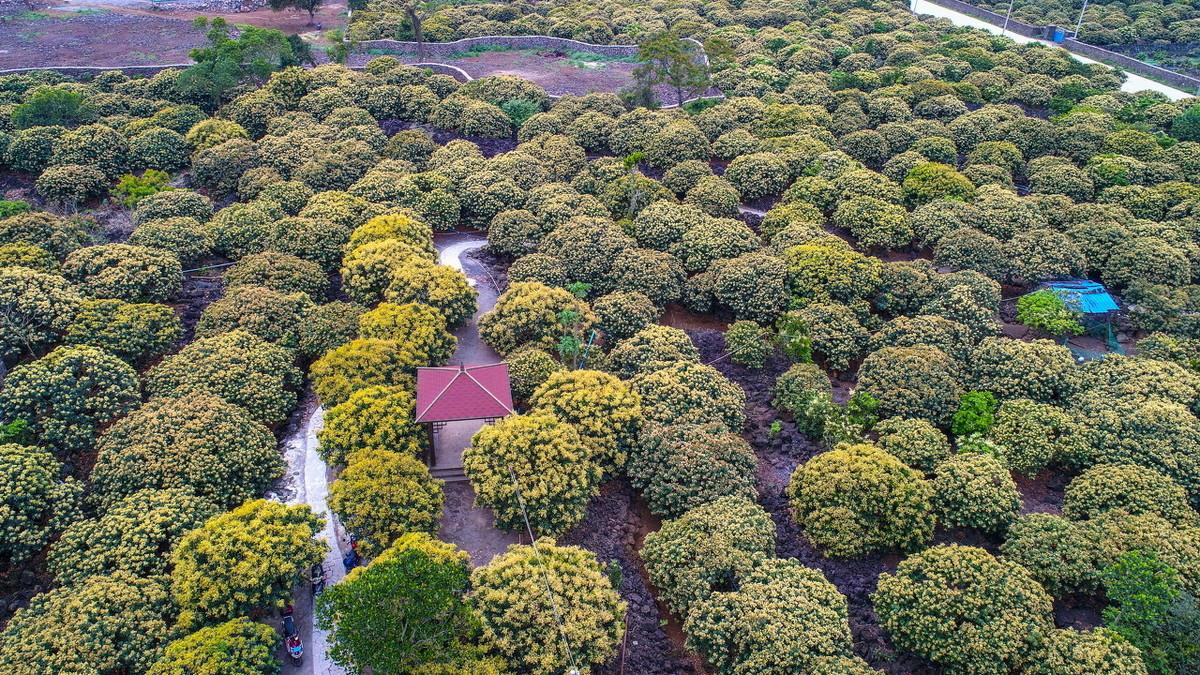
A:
x: 1148, y: 608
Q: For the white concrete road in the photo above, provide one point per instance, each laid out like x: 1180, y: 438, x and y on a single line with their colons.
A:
x: 312, y: 488
x: 1133, y: 82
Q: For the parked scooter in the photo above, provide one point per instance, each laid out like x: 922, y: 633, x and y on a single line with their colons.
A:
x: 295, y: 649
x: 291, y: 639
x: 317, y: 576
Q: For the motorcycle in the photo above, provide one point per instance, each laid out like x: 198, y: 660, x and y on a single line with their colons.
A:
x: 317, y: 576
x: 350, y: 560
x: 291, y: 636
x: 289, y: 623
x: 295, y: 649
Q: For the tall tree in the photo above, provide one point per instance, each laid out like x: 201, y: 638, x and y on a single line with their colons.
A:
x: 404, y: 609
x: 310, y: 6
x: 666, y: 58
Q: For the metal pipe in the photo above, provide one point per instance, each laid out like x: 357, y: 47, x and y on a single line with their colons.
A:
x: 1079, y: 23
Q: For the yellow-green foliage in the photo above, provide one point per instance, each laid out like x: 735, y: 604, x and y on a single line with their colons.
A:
x: 312, y: 238
x: 172, y: 204
x: 279, y: 272
x: 917, y: 443
x: 439, y: 286
x: 678, y: 467
x: 693, y: 393
x: 973, y: 489
x: 262, y: 312
x: 1067, y: 556
x: 1154, y: 434
x: 1100, y: 650
x: 691, y: 556
x: 917, y: 382
x: 623, y: 313
x: 182, y: 235
x: 67, y: 396
x: 401, y: 227
x: 528, y: 313
x: 375, y: 417
x: 327, y: 326
x: 1040, y: 370
x: 382, y: 494
x: 965, y: 610
x: 237, y: 647
x: 134, y: 535
x: 362, y: 363
x: 58, y: 235
x: 1030, y: 436
x: 200, y: 443
x: 367, y: 270
x: 27, y: 255
x: 602, y: 408
x: 244, y: 560
x: 821, y: 271
x: 211, y: 132
x: 753, y: 285
x: 527, y: 369
x: 534, y: 459
x: 527, y: 626
x: 420, y: 328
x: 241, y: 368
x: 714, y: 239
x: 34, y: 502
x: 783, y: 617
x: 747, y: 344
x: 652, y: 348
x: 858, y: 499
x: 241, y: 229
x: 125, y: 272
x: 107, y: 624
x: 837, y: 336
x: 1129, y: 488
x: 37, y: 308
x: 135, y: 332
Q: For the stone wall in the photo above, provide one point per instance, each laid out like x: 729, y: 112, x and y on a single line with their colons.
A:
x: 1028, y: 30
x: 1177, y: 80
x: 444, y: 49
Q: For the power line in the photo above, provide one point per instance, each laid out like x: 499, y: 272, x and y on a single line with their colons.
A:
x: 545, y: 575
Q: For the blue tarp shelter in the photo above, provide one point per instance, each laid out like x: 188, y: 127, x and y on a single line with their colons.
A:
x: 1085, y: 296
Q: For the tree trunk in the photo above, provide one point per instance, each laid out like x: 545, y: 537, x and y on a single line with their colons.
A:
x: 312, y: 16
x: 417, y: 34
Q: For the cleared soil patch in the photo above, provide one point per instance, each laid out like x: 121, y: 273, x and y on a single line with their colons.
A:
x: 97, y: 33
x: 558, y: 73
x: 39, y: 39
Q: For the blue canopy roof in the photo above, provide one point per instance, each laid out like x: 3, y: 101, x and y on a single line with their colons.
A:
x: 1086, y: 296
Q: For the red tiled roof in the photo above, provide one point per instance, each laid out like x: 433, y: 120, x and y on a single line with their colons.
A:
x: 463, y: 393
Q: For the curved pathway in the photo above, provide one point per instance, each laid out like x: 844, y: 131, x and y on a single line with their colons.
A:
x: 471, y: 528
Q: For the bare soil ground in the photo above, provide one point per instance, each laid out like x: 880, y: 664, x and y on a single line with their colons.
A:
x: 557, y: 72
x: 117, y: 33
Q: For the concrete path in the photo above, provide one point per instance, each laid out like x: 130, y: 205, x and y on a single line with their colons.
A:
x: 469, y: 527
x: 312, y: 488
x: 1133, y: 82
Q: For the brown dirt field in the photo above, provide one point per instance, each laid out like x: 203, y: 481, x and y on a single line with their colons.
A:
x: 96, y: 33
x: 556, y: 72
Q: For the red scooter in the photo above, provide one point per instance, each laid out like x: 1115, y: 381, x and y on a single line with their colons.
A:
x: 291, y: 639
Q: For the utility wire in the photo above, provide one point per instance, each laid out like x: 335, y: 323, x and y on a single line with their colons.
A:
x: 545, y: 575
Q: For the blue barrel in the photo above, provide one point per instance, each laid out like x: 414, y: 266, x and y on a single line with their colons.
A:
x: 1059, y: 35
